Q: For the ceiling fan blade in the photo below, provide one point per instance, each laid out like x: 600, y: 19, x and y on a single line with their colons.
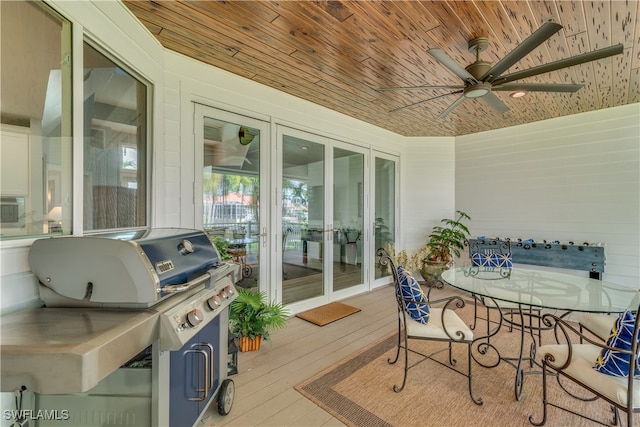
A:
x: 536, y: 38
x: 442, y: 57
x: 451, y: 107
x: 538, y: 87
x: 425, y: 101
x: 562, y: 63
x: 387, y: 89
x: 495, y: 103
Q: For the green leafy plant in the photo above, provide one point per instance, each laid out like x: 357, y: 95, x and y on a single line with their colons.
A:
x: 448, y: 240
x: 222, y: 245
x: 252, y: 315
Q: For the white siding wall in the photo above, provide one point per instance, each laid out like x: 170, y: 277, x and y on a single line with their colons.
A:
x: 427, y: 186
x: 575, y: 178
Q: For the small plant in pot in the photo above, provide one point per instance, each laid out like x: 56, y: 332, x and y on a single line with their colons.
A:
x: 252, y: 317
x: 445, y: 242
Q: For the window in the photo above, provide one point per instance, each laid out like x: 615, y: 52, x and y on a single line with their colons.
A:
x: 115, y: 145
x: 35, y: 140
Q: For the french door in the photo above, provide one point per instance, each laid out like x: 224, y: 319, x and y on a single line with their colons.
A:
x: 323, y: 219
x: 384, y: 176
x: 230, y: 151
x: 303, y: 214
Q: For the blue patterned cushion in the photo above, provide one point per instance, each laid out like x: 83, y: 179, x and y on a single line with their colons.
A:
x: 411, y: 290
x: 613, y: 362
x: 492, y: 260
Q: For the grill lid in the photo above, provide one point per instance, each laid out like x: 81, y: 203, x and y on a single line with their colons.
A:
x: 128, y: 268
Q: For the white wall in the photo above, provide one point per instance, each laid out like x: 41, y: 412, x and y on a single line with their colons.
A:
x: 575, y: 178
x: 427, y: 186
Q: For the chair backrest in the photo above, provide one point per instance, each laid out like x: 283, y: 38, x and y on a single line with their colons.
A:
x: 490, y: 253
x: 386, y: 261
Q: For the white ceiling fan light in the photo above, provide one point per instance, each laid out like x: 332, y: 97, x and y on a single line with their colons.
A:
x: 477, y: 90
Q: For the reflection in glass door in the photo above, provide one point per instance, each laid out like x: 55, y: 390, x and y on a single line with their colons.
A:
x: 229, y: 204
x: 384, y: 171
x: 348, y: 218
x: 303, y: 224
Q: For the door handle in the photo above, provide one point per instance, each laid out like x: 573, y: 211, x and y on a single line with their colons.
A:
x: 330, y: 231
x: 203, y: 396
x: 208, y: 368
x: 264, y: 236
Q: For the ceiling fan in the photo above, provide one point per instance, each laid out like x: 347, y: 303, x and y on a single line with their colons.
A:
x: 480, y: 79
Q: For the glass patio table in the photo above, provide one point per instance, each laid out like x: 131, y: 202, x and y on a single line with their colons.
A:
x: 238, y: 249
x: 520, y: 294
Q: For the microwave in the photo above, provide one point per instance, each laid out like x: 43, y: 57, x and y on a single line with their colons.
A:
x: 12, y: 212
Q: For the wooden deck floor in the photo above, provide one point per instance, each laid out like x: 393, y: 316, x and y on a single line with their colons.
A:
x: 265, y: 394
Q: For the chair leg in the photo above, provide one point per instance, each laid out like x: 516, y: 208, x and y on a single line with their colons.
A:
x: 477, y: 401
x: 475, y: 311
x: 629, y: 416
x: 544, y: 399
x: 406, y: 366
x: 452, y: 361
x: 391, y: 362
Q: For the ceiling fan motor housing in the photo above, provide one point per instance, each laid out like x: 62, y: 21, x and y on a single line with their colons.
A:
x: 478, y: 68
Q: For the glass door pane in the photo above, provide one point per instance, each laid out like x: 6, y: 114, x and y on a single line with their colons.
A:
x: 230, y: 195
x: 385, y: 208
x: 348, y: 215
x: 303, y: 219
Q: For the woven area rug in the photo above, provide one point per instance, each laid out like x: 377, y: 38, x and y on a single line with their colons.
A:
x: 328, y: 313
x: 358, y: 392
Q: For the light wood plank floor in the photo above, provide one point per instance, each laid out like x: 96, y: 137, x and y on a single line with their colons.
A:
x: 265, y: 394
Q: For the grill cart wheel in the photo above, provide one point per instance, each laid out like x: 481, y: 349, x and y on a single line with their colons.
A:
x: 225, y: 396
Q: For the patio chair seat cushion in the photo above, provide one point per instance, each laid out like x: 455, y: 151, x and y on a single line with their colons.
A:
x: 457, y: 329
x: 598, y: 324
x: 581, y: 368
x: 418, y: 306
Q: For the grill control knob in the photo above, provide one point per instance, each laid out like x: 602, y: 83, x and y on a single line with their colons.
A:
x: 214, y: 302
x: 185, y: 247
x: 194, y: 318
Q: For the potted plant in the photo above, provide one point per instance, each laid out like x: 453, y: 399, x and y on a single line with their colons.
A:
x: 445, y: 242
x: 252, y: 317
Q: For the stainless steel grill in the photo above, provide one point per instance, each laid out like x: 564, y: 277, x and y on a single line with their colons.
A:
x: 109, y: 297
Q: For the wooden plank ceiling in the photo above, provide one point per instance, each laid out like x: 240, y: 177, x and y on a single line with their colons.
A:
x: 337, y: 53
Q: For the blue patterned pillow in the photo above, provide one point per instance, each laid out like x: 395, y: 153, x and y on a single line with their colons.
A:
x: 411, y: 290
x: 492, y: 260
x: 613, y: 362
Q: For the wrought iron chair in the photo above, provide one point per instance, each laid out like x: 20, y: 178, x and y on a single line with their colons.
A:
x: 437, y: 324
x: 601, y: 368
